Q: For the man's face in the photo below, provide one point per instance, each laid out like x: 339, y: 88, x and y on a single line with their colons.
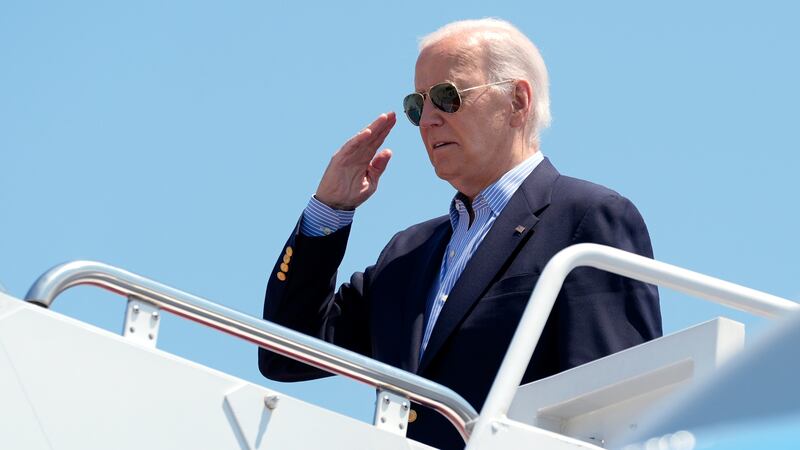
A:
x: 471, y: 147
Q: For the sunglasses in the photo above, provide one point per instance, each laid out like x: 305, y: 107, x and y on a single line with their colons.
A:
x: 444, y: 96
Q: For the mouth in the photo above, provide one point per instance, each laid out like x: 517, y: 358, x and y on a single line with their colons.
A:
x: 438, y: 145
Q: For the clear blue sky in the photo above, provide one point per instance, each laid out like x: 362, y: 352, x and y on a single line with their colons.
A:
x: 181, y: 140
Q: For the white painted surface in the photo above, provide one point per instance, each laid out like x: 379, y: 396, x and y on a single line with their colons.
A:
x: 504, y: 434
x: 602, y: 401
x: 543, y: 297
x: 752, y: 401
x: 19, y: 424
x: 69, y: 385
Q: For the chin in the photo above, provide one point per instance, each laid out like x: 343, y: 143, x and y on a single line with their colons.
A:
x: 444, y: 166
x: 441, y: 171
x: 448, y: 176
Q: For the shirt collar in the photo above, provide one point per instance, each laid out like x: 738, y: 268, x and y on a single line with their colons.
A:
x: 497, y: 194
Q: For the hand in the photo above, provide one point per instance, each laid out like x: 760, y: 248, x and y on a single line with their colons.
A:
x: 352, y: 175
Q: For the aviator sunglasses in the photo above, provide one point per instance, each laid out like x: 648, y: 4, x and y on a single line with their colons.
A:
x: 444, y: 96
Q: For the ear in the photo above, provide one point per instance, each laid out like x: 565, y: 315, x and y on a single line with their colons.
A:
x: 521, y: 101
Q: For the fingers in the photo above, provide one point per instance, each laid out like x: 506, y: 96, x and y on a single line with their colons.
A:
x: 376, y: 126
x: 377, y: 166
x: 381, y: 130
x: 381, y: 122
x: 380, y: 161
x: 367, y: 141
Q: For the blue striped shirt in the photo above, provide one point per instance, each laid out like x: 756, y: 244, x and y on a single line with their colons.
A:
x: 466, y: 238
x: 321, y: 220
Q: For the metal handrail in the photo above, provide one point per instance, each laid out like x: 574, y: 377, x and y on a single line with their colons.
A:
x: 622, y: 263
x: 265, y: 334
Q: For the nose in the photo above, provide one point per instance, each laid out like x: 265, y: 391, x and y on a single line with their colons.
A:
x: 431, y: 115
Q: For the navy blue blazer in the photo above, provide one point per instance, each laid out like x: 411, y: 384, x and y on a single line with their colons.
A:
x: 380, y: 312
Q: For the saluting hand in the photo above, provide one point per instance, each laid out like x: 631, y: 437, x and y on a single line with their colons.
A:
x: 352, y: 175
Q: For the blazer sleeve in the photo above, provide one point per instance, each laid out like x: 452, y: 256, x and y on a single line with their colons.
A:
x: 599, y: 312
x: 304, y: 299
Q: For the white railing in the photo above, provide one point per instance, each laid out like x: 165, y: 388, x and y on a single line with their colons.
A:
x: 622, y: 263
x: 263, y: 333
x: 384, y: 377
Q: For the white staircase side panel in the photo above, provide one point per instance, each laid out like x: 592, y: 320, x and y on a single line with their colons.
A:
x: 507, y: 434
x: 19, y: 425
x: 601, y: 401
x: 66, y: 384
x: 9, y: 304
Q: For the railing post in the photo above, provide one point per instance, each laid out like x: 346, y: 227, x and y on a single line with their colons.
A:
x: 141, y: 322
x: 391, y: 411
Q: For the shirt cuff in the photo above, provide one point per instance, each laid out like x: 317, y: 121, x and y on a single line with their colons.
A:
x: 320, y: 219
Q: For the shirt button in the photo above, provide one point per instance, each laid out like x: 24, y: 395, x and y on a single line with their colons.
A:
x: 452, y: 253
x: 327, y: 231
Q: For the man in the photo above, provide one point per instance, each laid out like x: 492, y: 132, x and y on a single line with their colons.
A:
x: 445, y: 296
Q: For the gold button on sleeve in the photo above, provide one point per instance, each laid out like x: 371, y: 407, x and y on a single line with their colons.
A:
x: 285, y: 267
x: 286, y: 259
x: 412, y: 416
x: 289, y: 251
x: 281, y: 276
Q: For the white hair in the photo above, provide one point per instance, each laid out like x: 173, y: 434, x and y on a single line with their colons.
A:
x: 509, y: 55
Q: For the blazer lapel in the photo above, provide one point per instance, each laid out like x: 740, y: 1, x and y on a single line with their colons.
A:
x: 414, y: 313
x: 492, y: 254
